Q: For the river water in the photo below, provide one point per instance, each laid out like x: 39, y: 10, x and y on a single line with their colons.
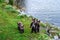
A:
x: 45, y: 10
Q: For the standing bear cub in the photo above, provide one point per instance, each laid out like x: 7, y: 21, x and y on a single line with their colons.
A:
x: 20, y: 27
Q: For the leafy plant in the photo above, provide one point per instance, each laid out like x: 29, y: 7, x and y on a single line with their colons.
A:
x: 1, y: 1
x: 11, y: 2
x: 43, y: 37
x: 10, y: 8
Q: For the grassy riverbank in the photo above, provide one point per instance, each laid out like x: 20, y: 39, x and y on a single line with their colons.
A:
x: 8, y: 26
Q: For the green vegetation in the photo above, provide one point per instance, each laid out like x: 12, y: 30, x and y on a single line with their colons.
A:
x: 1, y: 1
x: 11, y: 2
x: 8, y: 25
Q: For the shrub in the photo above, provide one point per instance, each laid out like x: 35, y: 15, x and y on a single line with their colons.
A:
x: 43, y: 37
x: 11, y: 2
x: 1, y: 1
x: 10, y: 8
x: 42, y: 24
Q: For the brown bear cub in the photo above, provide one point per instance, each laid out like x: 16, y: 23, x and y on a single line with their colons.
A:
x: 20, y: 27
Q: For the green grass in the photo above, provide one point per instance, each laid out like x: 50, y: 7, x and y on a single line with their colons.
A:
x: 8, y: 26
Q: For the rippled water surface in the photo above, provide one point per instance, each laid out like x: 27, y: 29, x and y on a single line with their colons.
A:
x: 45, y: 10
